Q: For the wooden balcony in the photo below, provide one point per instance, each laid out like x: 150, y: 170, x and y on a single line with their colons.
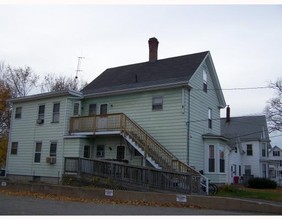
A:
x: 121, y: 124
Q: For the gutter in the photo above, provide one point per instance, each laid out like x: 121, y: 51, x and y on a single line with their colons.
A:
x: 139, y: 89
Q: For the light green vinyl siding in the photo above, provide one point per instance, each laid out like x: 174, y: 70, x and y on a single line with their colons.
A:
x: 167, y: 126
x: 200, y: 103
x: 27, y: 132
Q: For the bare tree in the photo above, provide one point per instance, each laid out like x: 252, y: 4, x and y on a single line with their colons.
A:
x: 273, y: 110
x: 54, y: 83
x: 21, y: 80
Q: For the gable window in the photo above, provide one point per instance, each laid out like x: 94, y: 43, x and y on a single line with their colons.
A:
x: 18, y: 113
x: 221, y: 161
x: 100, y: 151
x: 86, y: 151
x: 248, y: 170
x: 41, y: 112
x: 14, y: 148
x: 56, y: 112
x: 209, y: 118
x: 103, y: 109
x: 205, y: 81
x: 76, y: 108
x: 53, y: 149
x: 249, y: 149
x: 92, y: 109
x: 37, y: 153
x: 276, y: 153
x: 157, y: 103
x: 211, y: 159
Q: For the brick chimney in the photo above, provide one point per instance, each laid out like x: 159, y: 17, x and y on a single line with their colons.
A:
x: 153, y: 49
x: 228, y: 114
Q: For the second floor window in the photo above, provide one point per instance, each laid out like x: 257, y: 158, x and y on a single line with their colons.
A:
x: 76, y: 109
x: 276, y: 153
x: 41, y: 112
x: 249, y: 150
x: 92, y: 109
x: 18, y: 113
x: 157, y: 103
x: 56, y: 112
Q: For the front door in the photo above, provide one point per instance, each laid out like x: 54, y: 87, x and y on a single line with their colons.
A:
x: 103, y: 121
x: 120, y: 152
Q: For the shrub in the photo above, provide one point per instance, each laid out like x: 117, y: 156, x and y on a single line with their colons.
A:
x: 227, y: 188
x: 262, y: 183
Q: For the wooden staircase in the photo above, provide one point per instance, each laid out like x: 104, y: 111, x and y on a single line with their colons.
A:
x: 134, y: 134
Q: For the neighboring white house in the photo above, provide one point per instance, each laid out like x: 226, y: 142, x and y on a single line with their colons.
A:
x: 275, y: 165
x: 249, y: 142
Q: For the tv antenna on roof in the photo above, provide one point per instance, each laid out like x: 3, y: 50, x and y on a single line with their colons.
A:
x: 78, y: 67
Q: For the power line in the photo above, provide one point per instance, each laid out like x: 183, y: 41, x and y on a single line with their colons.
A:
x: 234, y: 89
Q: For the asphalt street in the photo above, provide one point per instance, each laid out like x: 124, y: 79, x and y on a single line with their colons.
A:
x: 24, y: 205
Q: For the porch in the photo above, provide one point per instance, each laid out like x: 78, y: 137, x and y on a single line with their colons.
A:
x: 134, y: 134
x: 148, y: 179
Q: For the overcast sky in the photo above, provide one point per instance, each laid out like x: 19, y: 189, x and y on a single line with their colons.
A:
x: 244, y: 41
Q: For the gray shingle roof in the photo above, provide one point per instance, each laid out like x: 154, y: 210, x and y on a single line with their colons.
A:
x: 170, y: 70
x: 247, y: 128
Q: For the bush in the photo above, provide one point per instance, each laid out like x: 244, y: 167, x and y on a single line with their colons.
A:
x: 262, y: 183
x: 227, y: 189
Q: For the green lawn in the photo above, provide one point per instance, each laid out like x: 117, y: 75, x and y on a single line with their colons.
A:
x: 243, y: 192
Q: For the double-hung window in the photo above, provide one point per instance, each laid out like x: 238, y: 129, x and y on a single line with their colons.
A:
x: 53, y: 149
x: 37, y: 153
x: 209, y: 118
x: 249, y: 149
x: 221, y: 160
x: 18, y: 113
x: 41, y: 112
x: 56, y: 112
x: 14, y: 148
x: 211, y: 159
x: 157, y: 103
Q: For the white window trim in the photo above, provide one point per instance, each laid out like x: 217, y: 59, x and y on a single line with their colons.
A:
x: 217, y: 148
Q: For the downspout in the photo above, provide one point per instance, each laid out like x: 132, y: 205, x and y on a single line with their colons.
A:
x: 188, y: 127
x: 9, y: 141
x: 60, y: 175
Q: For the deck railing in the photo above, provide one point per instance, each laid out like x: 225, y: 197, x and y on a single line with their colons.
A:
x: 126, y: 126
x: 147, y: 178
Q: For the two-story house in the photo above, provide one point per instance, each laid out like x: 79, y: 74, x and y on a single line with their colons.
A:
x: 160, y: 113
x: 249, y: 142
x: 275, y: 165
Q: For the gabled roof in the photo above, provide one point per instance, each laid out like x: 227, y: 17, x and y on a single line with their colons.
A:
x: 246, y: 128
x: 170, y: 71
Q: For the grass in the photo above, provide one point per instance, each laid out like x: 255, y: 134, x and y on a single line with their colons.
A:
x: 244, y: 192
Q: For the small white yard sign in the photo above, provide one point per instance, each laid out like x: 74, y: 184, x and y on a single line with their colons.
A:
x: 181, y: 198
x: 109, y: 192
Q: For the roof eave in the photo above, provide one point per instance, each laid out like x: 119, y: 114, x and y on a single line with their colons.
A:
x: 138, y: 89
x: 47, y: 95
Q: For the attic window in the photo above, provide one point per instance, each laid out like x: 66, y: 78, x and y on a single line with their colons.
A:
x: 205, y: 81
x: 157, y: 103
